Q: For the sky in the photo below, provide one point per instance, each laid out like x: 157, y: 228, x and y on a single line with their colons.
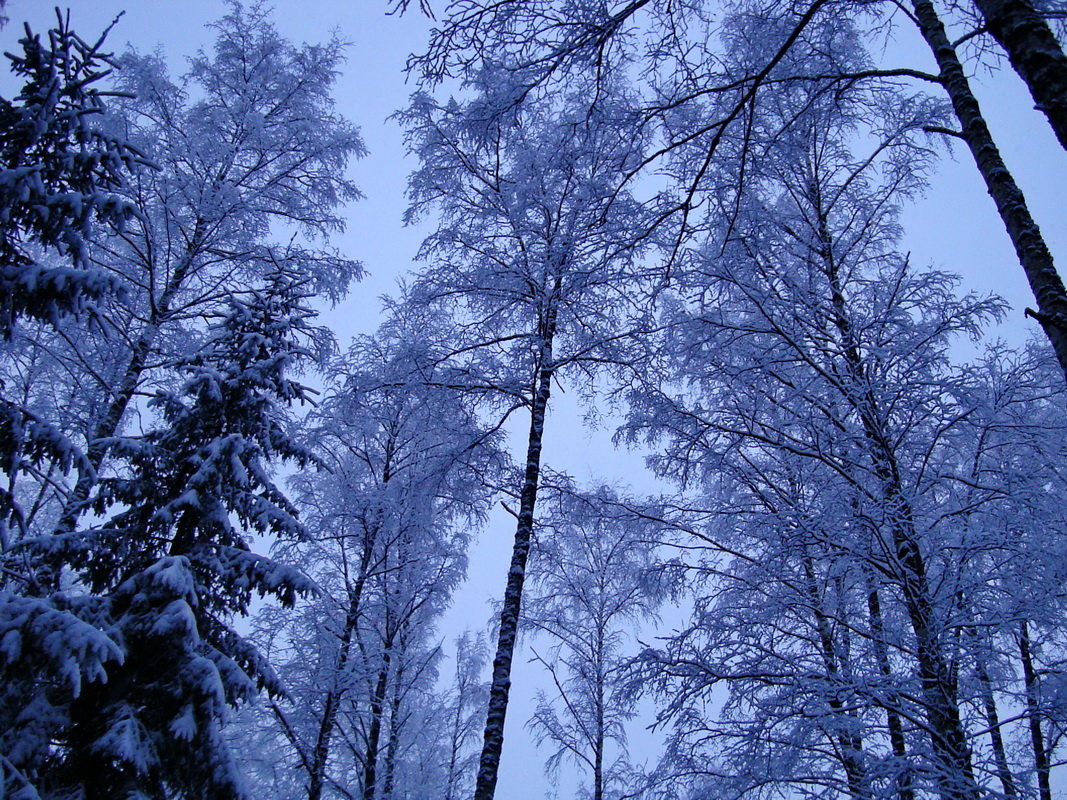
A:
x: 954, y: 227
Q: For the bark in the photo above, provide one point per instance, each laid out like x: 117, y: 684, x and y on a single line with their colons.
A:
x: 374, y: 734
x: 1026, y: 237
x: 1035, y: 53
x: 493, y: 741
x: 328, y: 723
x: 849, y: 744
x: 992, y: 720
x: 938, y: 688
x: 903, y: 779
x: 936, y: 674
x: 1033, y: 713
x: 392, y: 747
x: 453, y: 750
x: 598, y: 769
x: 598, y: 733
x: 321, y: 753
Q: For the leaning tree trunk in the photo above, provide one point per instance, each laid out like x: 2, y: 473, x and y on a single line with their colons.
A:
x: 321, y: 754
x: 101, y: 436
x: 1026, y: 237
x: 374, y: 734
x: 1033, y: 714
x: 948, y: 739
x: 849, y: 742
x: 992, y: 719
x: 493, y: 741
x: 1035, y: 53
x: 902, y: 778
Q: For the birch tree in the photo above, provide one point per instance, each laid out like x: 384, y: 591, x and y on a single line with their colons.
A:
x: 593, y: 575
x: 826, y: 413
x: 405, y: 469
x: 536, y: 261
x: 466, y: 705
x: 248, y: 145
x: 682, y: 49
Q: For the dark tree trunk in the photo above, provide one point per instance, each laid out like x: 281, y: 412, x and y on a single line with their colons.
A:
x: 992, y: 720
x: 849, y: 743
x: 321, y: 753
x: 453, y: 750
x: 903, y: 777
x: 948, y: 738
x: 493, y: 742
x: 598, y: 731
x: 1035, y: 53
x: 1033, y: 713
x: 374, y: 734
x: 1026, y: 237
x: 392, y: 746
x: 936, y: 673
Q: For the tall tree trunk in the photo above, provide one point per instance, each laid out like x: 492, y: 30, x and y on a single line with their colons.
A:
x: 328, y: 723
x: 947, y: 736
x: 936, y: 672
x: 374, y: 734
x: 321, y: 753
x: 1035, y: 53
x: 599, y: 735
x: 1033, y: 713
x: 454, y: 738
x: 598, y: 768
x: 992, y: 720
x: 1030, y: 247
x: 392, y: 746
x: 903, y: 778
x: 849, y: 743
x: 493, y: 741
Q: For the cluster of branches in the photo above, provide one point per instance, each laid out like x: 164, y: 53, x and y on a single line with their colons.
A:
x: 869, y: 521
x: 407, y: 467
x: 864, y: 514
x: 694, y: 206
x: 140, y: 284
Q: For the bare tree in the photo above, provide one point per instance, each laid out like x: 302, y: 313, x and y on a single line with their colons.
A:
x: 824, y: 423
x: 404, y: 469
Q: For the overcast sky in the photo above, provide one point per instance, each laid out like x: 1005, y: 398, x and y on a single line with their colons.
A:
x: 954, y: 228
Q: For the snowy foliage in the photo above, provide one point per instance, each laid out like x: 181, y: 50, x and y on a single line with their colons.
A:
x: 404, y: 468
x: 61, y: 170
x: 694, y: 206
x: 161, y: 578
x: 836, y: 451
x: 595, y: 578
x: 250, y: 160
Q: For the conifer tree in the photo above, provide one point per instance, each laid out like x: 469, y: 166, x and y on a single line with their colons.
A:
x: 161, y: 579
